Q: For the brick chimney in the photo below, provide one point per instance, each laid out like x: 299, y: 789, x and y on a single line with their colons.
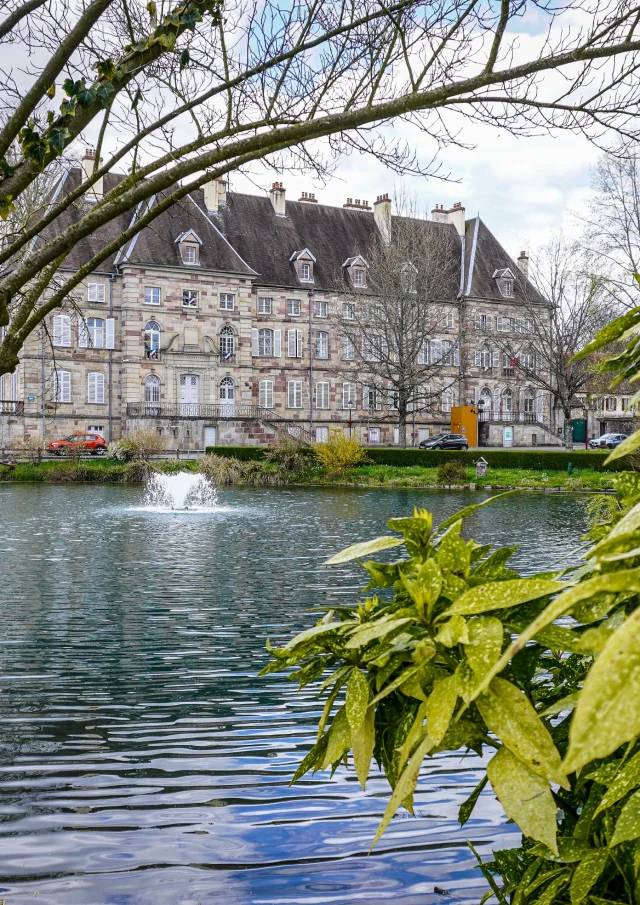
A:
x: 456, y: 217
x: 309, y: 197
x: 523, y: 263
x: 439, y: 214
x: 215, y: 194
x: 277, y: 197
x: 357, y: 205
x: 96, y: 192
x: 382, y: 216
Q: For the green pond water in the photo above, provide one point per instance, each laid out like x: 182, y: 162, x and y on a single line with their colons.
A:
x: 142, y: 762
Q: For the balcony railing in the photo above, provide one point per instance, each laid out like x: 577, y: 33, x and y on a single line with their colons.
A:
x: 531, y: 417
x: 201, y: 410
x: 11, y: 407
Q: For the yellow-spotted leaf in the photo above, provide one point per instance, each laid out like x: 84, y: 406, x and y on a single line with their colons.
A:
x: 374, y: 630
x: 486, y: 635
x: 628, y: 778
x: 440, y: 707
x: 508, y: 712
x: 525, y: 796
x: 628, y: 824
x: 586, y: 875
x: 556, y: 637
x: 607, y: 714
x: 454, y: 631
x: 363, y: 742
x: 310, y: 633
x: 357, y: 699
x: 501, y: 594
x: 338, y: 740
x: 405, y: 784
x: 366, y: 548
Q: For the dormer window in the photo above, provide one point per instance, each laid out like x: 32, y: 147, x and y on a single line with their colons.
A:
x: 189, y: 244
x: 357, y: 270
x: 303, y: 261
x: 505, y: 280
x: 408, y: 277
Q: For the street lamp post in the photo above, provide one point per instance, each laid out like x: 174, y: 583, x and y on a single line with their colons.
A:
x: 350, y: 405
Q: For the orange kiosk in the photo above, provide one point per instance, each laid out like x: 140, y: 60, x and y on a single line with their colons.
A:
x: 464, y: 420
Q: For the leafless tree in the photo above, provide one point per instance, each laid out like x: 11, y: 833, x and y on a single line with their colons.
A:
x: 399, y: 336
x: 538, y: 345
x: 180, y: 94
x: 612, y: 225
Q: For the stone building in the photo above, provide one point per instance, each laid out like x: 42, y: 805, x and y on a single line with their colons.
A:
x: 217, y: 324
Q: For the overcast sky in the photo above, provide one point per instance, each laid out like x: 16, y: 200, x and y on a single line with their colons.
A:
x: 523, y: 188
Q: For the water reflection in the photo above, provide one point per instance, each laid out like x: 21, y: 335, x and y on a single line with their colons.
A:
x: 143, y: 762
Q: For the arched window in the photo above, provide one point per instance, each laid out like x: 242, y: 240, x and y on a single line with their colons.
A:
x: 484, y: 405
x: 507, y: 402
x: 227, y: 343
x: 227, y: 390
x: 447, y: 399
x: 152, y: 389
x: 152, y: 340
x: 529, y: 405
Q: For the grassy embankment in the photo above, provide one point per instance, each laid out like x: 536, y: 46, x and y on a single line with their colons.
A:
x: 104, y: 471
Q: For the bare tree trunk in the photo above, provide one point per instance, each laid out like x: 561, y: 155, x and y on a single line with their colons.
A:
x: 402, y: 429
x: 568, y: 429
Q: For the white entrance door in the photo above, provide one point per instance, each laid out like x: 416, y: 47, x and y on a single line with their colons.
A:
x: 189, y: 394
x: 210, y: 436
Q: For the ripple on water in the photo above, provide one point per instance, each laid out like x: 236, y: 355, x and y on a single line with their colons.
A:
x: 142, y: 761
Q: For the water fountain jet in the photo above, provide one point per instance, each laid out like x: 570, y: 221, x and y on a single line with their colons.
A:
x: 180, y: 492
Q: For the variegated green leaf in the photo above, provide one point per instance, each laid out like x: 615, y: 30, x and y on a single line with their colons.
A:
x: 502, y: 594
x: 374, y: 630
x: 440, y: 707
x: 628, y: 823
x: 628, y: 778
x: 586, y: 875
x: 608, y: 714
x: 366, y: 548
x: 357, y: 699
x: 486, y: 634
x: 525, y: 796
x: 453, y: 631
x: 363, y: 741
x: 339, y: 739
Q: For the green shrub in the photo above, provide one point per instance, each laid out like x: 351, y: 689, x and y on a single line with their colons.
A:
x: 288, y: 454
x: 453, y: 651
x: 244, y: 453
x: 140, y: 446
x: 536, y: 459
x: 451, y: 472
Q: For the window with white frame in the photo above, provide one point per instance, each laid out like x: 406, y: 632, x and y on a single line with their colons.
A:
x: 436, y: 351
x: 190, y: 298
x: 152, y: 339
x: 509, y: 363
x: 95, y: 330
x: 227, y: 301
x: 348, y: 395
x: 322, y: 394
x: 609, y: 404
x: 265, y: 394
x: 62, y: 330
x: 265, y: 305
x: 504, y: 324
x: 95, y: 292
x: 152, y: 295
x: 95, y: 387
x: 447, y: 399
x: 371, y: 397
x: 305, y: 271
x: 358, y: 276
x: 294, y: 343
x: 227, y: 390
x: 423, y: 354
x: 348, y: 348
x: 322, y: 434
x: 152, y: 388
x: 528, y: 361
x: 294, y: 394
x: 483, y: 322
x: 486, y: 359
x: 96, y: 429
x: 447, y: 320
x: 190, y: 254
x: 348, y: 311
x: 508, y: 288
x: 227, y: 343
x: 374, y: 347
x: 321, y: 309
x: 265, y: 342
x: 528, y: 402
x: 322, y: 344
x: 62, y: 386
x: 293, y: 307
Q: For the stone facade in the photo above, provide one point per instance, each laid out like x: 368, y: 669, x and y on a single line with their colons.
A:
x: 199, y: 351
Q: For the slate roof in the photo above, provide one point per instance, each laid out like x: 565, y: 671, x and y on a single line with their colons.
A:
x: 246, y: 237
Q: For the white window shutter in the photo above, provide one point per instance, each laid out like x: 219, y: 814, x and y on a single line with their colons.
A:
x: 101, y: 292
x: 110, y: 335
x: 496, y: 359
x: 496, y: 401
x: 92, y: 292
x: 291, y: 343
x: 91, y: 387
x: 299, y: 343
x: 456, y: 355
x: 83, y: 333
x: 57, y: 330
x: 277, y: 343
x: 254, y: 342
x: 478, y: 359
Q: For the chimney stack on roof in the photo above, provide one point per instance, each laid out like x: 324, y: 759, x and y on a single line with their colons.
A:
x: 357, y: 205
x: 215, y: 194
x: 454, y: 216
x: 277, y: 197
x: 309, y: 197
x: 96, y: 192
x: 523, y: 263
x: 382, y: 216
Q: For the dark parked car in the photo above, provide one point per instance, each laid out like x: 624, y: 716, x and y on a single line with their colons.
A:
x: 445, y: 441
x: 607, y: 441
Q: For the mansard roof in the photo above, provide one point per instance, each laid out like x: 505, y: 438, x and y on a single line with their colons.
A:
x: 246, y: 237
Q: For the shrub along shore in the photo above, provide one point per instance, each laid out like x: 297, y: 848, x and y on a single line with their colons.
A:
x: 522, y: 469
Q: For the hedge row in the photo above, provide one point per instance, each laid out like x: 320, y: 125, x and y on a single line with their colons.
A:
x: 536, y: 459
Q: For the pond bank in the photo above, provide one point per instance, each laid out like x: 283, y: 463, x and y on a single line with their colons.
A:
x: 102, y: 471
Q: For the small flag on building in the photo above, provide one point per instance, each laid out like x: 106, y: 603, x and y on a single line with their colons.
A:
x: 153, y: 353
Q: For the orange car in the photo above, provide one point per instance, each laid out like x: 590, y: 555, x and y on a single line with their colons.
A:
x: 92, y: 443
